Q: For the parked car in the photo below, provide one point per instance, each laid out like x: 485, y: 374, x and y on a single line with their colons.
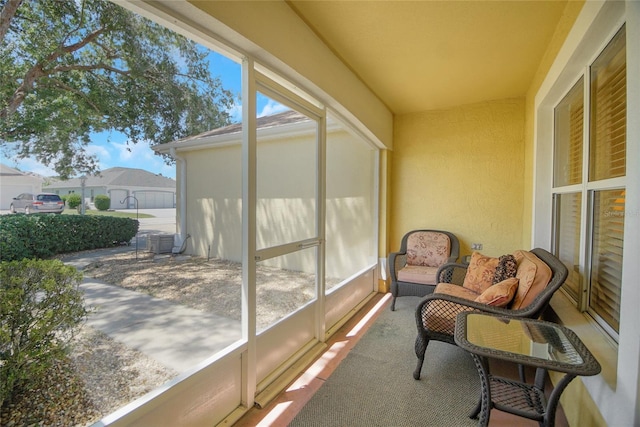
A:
x: 35, y: 203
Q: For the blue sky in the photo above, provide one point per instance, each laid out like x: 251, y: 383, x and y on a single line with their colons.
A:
x: 111, y: 148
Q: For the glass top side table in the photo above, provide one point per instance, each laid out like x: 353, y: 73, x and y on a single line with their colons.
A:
x: 539, y: 344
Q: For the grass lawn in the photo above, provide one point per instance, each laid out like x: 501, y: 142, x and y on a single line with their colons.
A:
x: 108, y: 213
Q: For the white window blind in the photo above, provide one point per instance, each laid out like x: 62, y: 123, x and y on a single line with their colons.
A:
x: 569, y: 136
x: 606, y: 258
x: 608, y: 144
x: 568, y: 209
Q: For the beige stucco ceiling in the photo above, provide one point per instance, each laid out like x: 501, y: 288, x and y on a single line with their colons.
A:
x: 425, y: 55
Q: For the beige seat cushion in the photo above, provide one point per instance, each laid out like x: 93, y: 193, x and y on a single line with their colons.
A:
x: 456, y: 291
x: 533, y: 275
x: 440, y: 316
x: 418, y: 274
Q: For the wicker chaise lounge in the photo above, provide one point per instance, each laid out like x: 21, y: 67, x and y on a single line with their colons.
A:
x: 539, y: 275
x: 413, y: 268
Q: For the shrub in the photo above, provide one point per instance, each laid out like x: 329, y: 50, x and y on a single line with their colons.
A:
x: 102, y: 202
x: 42, y: 236
x: 73, y: 200
x: 40, y: 307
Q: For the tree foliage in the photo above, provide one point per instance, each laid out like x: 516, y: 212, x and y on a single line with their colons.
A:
x: 72, y: 68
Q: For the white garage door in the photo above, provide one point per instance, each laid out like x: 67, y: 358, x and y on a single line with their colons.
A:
x: 155, y: 199
x: 117, y: 196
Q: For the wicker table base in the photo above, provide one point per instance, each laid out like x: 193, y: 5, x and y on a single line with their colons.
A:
x: 542, y: 345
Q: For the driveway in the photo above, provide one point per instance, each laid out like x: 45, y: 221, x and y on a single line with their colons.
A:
x: 163, y: 221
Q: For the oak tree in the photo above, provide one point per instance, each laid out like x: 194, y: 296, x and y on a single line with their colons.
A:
x: 71, y: 68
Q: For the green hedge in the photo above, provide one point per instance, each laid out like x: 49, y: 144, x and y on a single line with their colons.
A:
x: 42, y: 236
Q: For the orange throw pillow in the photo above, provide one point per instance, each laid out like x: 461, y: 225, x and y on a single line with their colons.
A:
x: 480, y: 272
x: 500, y: 294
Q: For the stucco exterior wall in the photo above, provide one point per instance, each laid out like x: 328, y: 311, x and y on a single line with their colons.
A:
x: 214, y: 202
x: 461, y: 170
x: 286, y: 206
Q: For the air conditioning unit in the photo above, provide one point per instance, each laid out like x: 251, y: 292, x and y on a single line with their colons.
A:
x: 160, y: 243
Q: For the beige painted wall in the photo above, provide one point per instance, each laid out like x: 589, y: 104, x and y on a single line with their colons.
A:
x: 461, y: 170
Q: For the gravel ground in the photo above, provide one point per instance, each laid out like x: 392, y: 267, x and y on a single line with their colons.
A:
x: 101, y: 375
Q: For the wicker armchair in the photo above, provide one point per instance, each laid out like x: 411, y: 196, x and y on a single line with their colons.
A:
x: 436, y: 313
x: 413, y: 268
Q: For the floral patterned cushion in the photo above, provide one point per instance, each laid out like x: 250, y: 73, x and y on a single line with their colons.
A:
x: 500, y: 294
x: 480, y: 272
x: 428, y: 248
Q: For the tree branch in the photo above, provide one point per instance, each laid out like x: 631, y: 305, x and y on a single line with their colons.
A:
x: 68, y: 88
x: 7, y: 14
x: 76, y: 46
x: 78, y: 67
x: 38, y: 71
x: 20, y: 93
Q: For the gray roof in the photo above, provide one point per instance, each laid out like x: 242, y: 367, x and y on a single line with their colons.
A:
x: 120, y: 177
x: 285, y: 118
x: 8, y: 171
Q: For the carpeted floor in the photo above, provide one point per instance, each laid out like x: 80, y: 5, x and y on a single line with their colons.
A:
x: 374, y: 385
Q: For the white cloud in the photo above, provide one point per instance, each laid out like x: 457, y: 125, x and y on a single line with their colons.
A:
x: 32, y: 165
x: 235, y: 112
x: 268, y: 109
x: 272, y: 107
x: 141, y: 156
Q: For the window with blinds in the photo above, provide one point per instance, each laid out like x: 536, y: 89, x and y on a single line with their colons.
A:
x: 568, y: 208
x: 602, y: 222
x: 606, y: 257
x: 608, y: 142
x: 569, y: 134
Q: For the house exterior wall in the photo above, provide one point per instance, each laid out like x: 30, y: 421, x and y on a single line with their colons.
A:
x: 214, y: 208
x: 461, y: 170
x: 214, y: 202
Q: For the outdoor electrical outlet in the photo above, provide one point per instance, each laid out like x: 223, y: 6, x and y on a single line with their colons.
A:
x: 476, y: 246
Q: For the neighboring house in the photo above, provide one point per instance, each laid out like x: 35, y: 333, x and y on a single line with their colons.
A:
x: 123, y: 186
x: 211, y: 209
x: 13, y: 182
